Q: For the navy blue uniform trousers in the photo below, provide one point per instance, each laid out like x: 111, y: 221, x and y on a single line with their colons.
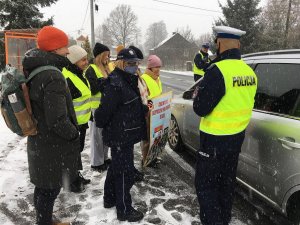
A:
x: 120, y: 178
x: 215, y: 182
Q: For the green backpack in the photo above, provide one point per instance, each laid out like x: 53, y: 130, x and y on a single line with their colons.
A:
x: 15, y: 102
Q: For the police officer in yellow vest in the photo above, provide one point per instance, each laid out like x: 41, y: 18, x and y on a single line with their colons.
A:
x: 96, y: 74
x: 201, y: 62
x: 154, y: 85
x: 80, y: 91
x: 224, y: 100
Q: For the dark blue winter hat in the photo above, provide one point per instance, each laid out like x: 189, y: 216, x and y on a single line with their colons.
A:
x: 138, y: 52
x: 127, y: 54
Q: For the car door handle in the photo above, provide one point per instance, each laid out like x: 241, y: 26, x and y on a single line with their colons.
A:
x: 289, y: 143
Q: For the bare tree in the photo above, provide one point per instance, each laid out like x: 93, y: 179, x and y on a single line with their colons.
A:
x: 280, y: 22
x: 186, y: 32
x: 207, y: 37
x: 155, y: 34
x: 121, y: 25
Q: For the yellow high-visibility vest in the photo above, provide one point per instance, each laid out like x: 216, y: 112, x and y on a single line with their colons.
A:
x: 82, y: 105
x: 233, y: 112
x: 155, y: 88
x: 96, y: 99
x: 198, y: 71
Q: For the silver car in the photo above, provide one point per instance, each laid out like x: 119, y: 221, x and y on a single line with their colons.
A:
x: 269, y: 163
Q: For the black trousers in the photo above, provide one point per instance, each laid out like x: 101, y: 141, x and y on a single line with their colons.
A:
x: 215, y: 182
x: 82, y: 133
x: 120, y: 178
x: 43, y: 200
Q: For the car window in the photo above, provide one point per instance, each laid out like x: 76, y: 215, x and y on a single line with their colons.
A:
x: 278, y: 88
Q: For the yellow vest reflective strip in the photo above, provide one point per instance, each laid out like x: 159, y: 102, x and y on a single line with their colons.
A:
x: 96, y: 99
x: 155, y: 88
x: 233, y: 112
x: 198, y: 71
x: 82, y: 105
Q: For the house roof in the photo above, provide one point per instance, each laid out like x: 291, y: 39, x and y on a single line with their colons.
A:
x: 81, y: 38
x: 164, y: 41
x: 174, y: 35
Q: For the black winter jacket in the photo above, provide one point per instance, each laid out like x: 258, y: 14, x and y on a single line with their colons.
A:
x: 53, y: 152
x: 121, y: 112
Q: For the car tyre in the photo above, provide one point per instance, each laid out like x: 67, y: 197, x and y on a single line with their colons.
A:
x: 174, y: 137
x: 293, y: 210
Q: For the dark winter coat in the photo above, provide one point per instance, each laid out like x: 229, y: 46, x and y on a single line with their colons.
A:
x: 201, y: 62
x: 121, y: 113
x: 53, y: 152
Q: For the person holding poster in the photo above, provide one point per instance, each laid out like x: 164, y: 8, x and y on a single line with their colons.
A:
x: 154, y: 85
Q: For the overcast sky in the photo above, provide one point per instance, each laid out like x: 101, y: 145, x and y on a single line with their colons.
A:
x: 74, y: 15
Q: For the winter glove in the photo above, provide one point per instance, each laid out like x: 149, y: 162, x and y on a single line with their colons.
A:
x: 150, y: 104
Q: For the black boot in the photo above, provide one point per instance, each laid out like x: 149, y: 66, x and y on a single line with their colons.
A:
x: 100, y: 168
x: 138, y: 176
x: 77, y: 186
x: 107, y: 162
x: 83, y: 180
x: 109, y: 205
x: 131, y: 216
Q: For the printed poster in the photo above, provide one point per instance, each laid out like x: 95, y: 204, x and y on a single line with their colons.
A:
x: 159, y: 125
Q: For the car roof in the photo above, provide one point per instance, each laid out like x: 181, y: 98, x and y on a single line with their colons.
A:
x: 278, y: 54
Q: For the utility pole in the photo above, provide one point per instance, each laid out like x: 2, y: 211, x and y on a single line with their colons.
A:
x: 287, y: 24
x: 92, y: 24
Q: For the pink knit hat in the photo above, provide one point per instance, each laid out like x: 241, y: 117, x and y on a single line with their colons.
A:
x: 153, y: 61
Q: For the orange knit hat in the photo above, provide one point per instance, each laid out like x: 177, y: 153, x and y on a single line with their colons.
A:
x: 51, y: 38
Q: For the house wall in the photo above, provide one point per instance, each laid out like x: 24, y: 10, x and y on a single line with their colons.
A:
x: 175, y: 53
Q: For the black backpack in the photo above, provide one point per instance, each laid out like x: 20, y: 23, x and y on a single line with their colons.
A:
x: 15, y: 103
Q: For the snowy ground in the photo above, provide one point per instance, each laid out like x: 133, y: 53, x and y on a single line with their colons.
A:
x: 163, y: 197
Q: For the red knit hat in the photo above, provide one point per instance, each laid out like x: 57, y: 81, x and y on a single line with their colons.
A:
x: 51, y: 38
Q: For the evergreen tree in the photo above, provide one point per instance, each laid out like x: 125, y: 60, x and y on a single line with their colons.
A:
x: 21, y: 14
x: 244, y: 15
x: 87, y: 46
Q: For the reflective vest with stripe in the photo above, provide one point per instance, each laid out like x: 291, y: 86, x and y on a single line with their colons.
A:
x: 232, y: 114
x: 155, y: 88
x: 198, y: 71
x: 96, y: 99
x: 82, y: 105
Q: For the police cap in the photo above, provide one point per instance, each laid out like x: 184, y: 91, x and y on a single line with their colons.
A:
x: 228, y: 32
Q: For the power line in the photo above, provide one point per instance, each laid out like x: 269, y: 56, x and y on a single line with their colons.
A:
x: 87, y: 6
x: 162, y: 10
x: 186, y: 6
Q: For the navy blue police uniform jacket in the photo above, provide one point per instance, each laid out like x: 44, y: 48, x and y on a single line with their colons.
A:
x: 121, y: 113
